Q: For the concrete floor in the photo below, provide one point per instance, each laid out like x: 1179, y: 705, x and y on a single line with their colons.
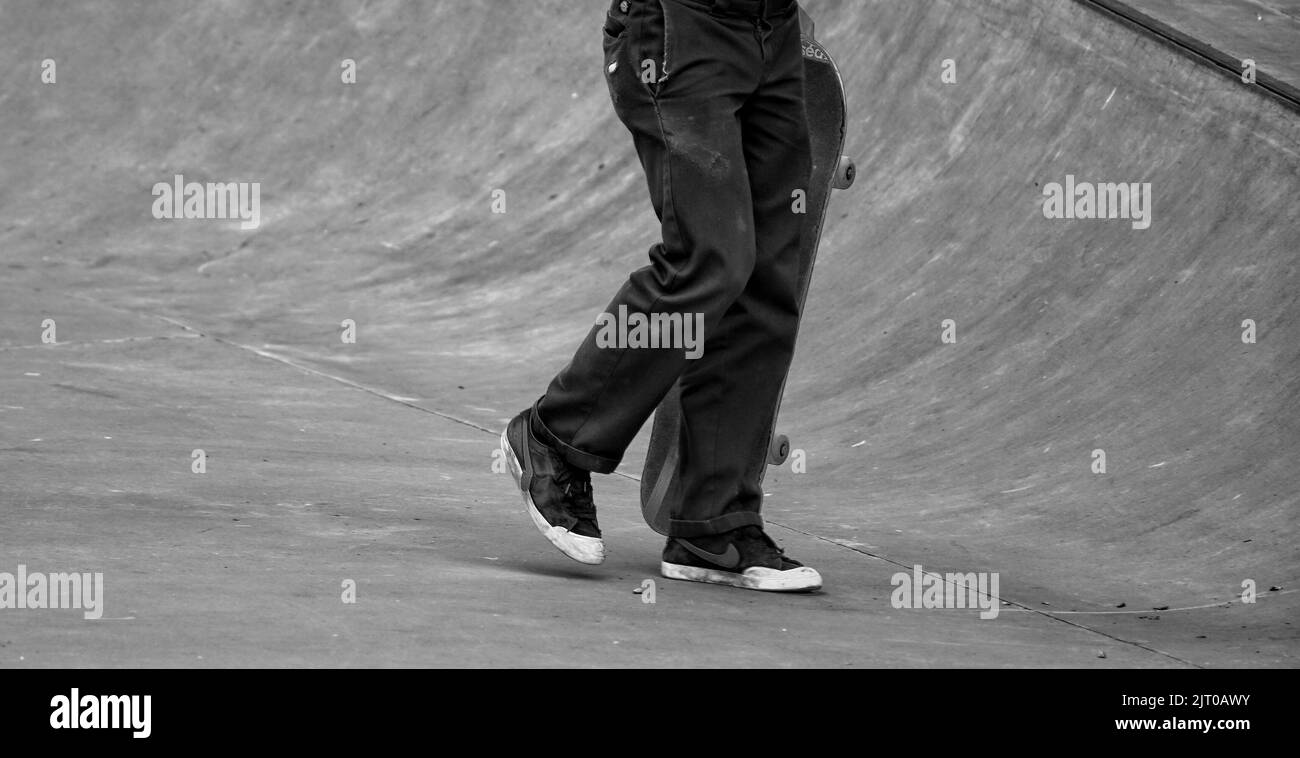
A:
x: 373, y: 462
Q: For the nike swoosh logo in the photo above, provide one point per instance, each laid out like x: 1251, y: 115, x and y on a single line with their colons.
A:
x: 729, y: 559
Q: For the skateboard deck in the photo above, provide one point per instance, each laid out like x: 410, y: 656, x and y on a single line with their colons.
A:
x: 826, y: 111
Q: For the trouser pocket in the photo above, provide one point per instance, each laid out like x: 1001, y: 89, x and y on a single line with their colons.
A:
x: 616, y: 29
x: 641, y: 27
x: 616, y: 19
x: 636, y: 42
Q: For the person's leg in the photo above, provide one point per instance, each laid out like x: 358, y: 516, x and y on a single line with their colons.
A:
x: 688, y: 135
x: 729, y: 396
x: 678, y: 81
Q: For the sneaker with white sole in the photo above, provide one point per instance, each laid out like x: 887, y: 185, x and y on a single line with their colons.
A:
x: 744, y: 557
x: 556, y: 494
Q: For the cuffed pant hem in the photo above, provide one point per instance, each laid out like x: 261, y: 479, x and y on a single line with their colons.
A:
x: 572, y: 455
x: 724, y: 523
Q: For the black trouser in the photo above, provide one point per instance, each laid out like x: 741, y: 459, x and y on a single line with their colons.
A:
x: 713, y: 97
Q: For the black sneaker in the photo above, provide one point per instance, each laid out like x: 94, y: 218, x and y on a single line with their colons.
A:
x: 744, y: 557
x: 558, y: 495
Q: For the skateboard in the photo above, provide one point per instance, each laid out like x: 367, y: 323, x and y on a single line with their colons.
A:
x: 826, y: 111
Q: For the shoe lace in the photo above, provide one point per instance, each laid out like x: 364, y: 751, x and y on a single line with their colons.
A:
x: 576, y: 485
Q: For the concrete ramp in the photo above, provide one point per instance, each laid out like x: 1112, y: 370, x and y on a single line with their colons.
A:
x: 371, y: 461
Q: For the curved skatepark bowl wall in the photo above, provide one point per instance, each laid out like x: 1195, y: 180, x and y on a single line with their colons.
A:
x: 377, y: 205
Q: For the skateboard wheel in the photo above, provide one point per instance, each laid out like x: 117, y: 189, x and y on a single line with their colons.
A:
x: 779, y: 450
x: 845, y: 173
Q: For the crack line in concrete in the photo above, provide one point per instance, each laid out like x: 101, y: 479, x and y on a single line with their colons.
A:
x: 1015, y: 605
x: 332, y: 377
x: 91, y: 343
